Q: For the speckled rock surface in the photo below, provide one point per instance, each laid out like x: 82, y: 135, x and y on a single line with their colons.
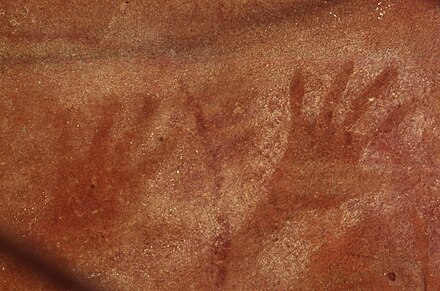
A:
x: 228, y: 145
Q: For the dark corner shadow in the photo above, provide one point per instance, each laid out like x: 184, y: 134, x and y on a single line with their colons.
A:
x: 37, y: 263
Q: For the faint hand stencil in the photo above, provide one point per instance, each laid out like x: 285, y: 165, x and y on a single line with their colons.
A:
x: 312, y: 145
x: 325, y: 137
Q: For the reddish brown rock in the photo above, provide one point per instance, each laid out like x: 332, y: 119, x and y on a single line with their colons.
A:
x: 238, y: 145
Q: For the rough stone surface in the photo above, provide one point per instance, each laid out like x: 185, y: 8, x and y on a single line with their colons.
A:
x: 220, y: 145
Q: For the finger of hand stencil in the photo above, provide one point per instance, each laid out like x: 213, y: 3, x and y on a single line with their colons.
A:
x: 336, y: 92
x: 396, y: 117
x: 296, y: 94
x: 382, y: 138
x: 200, y: 119
x: 195, y: 109
x: 101, y: 138
x: 146, y: 111
x: 376, y: 90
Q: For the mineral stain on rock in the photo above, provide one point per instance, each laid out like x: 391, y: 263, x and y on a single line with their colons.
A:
x: 167, y: 145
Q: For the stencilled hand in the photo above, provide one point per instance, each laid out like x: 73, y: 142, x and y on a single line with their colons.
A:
x: 97, y: 167
x: 323, y: 164
x: 329, y: 138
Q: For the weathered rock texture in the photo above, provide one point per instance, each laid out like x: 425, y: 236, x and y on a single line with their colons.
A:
x: 220, y: 145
